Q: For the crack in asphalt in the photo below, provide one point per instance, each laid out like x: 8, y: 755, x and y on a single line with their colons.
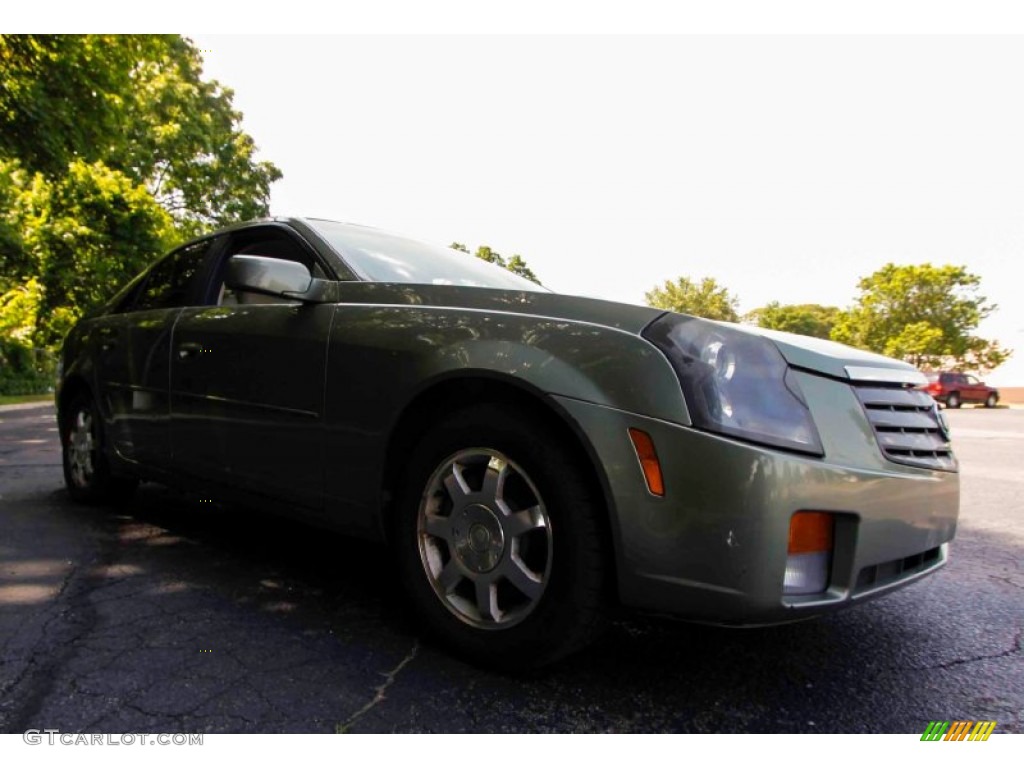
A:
x: 1018, y: 645
x: 1007, y: 580
x: 380, y: 693
x: 250, y: 724
x: 178, y: 719
x: 41, y: 677
x: 181, y: 717
x: 73, y: 621
x: 271, y: 705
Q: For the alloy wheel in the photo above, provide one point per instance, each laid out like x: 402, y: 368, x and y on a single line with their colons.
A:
x: 81, y: 448
x: 485, y: 538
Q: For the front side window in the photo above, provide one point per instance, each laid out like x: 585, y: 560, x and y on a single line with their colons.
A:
x: 170, y: 282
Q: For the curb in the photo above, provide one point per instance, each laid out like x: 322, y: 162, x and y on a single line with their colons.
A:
x: 26, y: 406
x: 1000, y: 407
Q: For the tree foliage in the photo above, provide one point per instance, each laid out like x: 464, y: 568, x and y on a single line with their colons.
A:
x: 806, y: 319
x: 138, y: 104
x: 23, y: 368
x: 62, y: 96
x: 924, y: 314
x: 14, y: 262
x: 19, y: 310
x: 78, y: 238
x: 112, y: 147
x: 87, y: 233
x: 703, y: 299
x: 514, y: 263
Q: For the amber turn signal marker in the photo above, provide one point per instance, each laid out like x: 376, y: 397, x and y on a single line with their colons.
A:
x: 810, y: 532
x: 644, y: 447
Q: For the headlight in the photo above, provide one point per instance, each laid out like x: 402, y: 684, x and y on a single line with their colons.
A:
x: 736, y: 383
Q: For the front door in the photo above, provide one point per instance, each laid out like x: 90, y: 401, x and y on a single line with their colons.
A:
x: 247, y: 385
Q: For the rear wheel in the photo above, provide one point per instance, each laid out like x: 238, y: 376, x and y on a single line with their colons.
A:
x: 499, y: 540
x: 991, y: 400
x: 953, y: 400
x: 87, y: 472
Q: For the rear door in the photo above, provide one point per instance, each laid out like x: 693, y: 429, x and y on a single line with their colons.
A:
x: 974, y: 390
x: 247, y: 381
x: 134, y: 356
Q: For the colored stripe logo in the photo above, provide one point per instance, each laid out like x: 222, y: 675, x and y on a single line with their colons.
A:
x: 958, y: 730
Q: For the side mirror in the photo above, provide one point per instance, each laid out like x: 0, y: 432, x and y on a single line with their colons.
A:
x: 273, y: 277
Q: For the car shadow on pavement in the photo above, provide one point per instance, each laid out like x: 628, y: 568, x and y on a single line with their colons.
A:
x: 220, y: 618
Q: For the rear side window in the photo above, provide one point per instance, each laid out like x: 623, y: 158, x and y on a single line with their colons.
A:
x: 170, y: 282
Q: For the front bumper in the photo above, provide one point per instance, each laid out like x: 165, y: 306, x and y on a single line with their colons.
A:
x: 714, y: 548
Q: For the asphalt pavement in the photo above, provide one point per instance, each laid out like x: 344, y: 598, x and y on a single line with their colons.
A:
x: 175, y: 615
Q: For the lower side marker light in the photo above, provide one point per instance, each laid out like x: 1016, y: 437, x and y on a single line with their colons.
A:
x: 648, y: 458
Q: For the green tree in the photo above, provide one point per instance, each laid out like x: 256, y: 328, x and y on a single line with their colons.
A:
x: 704, y: 299
x: 14, y: 262
x: 19, y: 312
x: 112, y: 147
x: 84, y: 235
x: 139, y: 105
x: 62, y: 96
x: 23, y: 368
x: 514, y: 263
x: 923, y: 314
x: 807, y: 319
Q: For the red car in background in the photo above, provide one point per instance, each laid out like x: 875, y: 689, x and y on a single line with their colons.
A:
x: 953, y: 389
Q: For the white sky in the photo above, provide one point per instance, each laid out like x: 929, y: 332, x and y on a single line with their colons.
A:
x: 784, y: 167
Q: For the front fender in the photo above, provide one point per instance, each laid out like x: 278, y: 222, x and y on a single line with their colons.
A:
x: 381, y: 357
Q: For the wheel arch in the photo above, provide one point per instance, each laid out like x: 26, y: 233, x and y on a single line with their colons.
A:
x: 71, y: 387
x: 448, y: 394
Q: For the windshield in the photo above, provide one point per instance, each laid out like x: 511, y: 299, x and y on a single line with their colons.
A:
x: 385, y: 258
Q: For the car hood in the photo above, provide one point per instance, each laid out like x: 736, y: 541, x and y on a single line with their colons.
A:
x: 838, y: 360
x: 827, y: 357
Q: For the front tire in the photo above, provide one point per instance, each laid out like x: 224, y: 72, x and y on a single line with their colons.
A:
x: 87, y: 472
x: 991, y: 400
x: 499, y: 540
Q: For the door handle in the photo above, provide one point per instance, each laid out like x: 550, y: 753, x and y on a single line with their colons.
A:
x: 108, y: 339
x: 188, y: 350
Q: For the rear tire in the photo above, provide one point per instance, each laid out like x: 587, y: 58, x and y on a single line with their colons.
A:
x: 499, y: 540
x: 87, y: 472
x: 953, y: 400
x: 991, y: 400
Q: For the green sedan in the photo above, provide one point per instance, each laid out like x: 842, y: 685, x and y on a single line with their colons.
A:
x: 533, y: 460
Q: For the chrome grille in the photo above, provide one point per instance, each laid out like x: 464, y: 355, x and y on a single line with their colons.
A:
x: 908, y: 425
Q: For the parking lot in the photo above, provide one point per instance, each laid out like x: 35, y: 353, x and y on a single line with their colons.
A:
x: 178, y: 615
